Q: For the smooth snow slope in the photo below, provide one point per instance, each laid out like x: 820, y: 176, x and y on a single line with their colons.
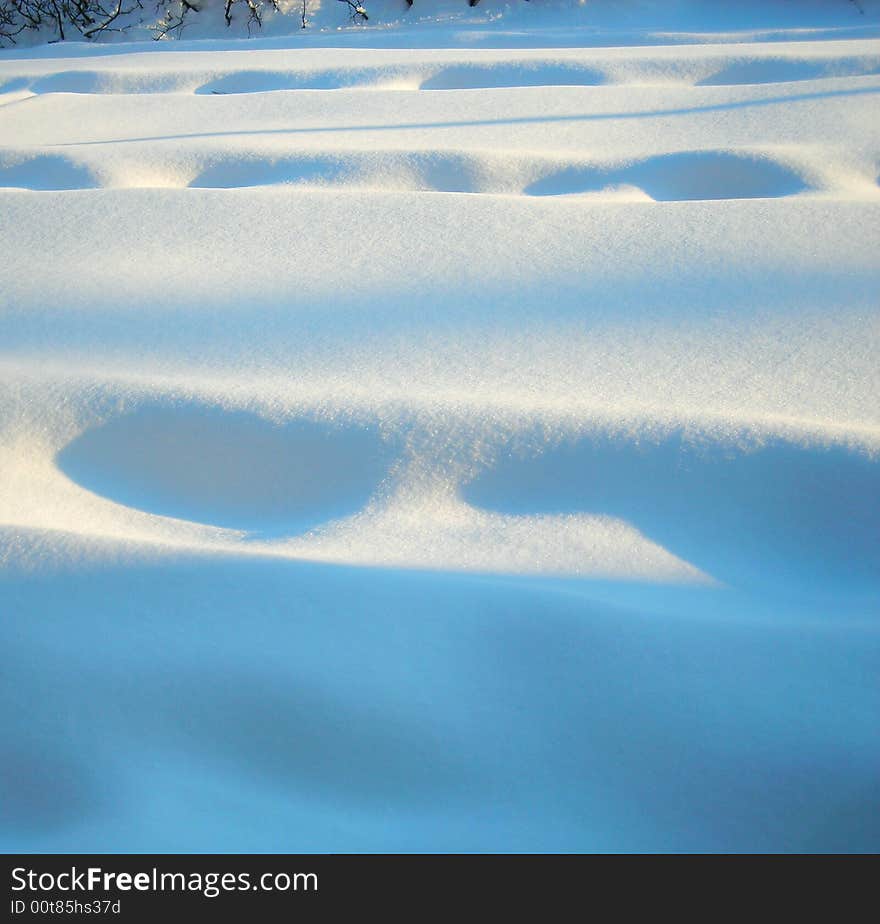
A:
x: 442, y: 448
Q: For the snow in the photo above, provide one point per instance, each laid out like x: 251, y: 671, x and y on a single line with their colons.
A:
x: 457, y: 433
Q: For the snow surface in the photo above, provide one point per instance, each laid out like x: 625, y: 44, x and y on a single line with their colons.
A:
x: 454, y: 435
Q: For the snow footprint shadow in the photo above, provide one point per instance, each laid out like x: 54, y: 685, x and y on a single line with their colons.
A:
x: 272, y: 81
x: 421, y: 171
x: 777, y: 513
x: 785, y: 70
x: 235, y: 173
x: 44, y: 172
x: 490, y: 75
x: 231, y: 469
x: 686, y: 175
x: 69, y: 82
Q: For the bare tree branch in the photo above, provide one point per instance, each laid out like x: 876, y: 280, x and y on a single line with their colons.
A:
x: 356, y: 11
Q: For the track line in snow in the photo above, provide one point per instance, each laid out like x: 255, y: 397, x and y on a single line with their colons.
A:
x: 676, y: 176
x: 583, y: 68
